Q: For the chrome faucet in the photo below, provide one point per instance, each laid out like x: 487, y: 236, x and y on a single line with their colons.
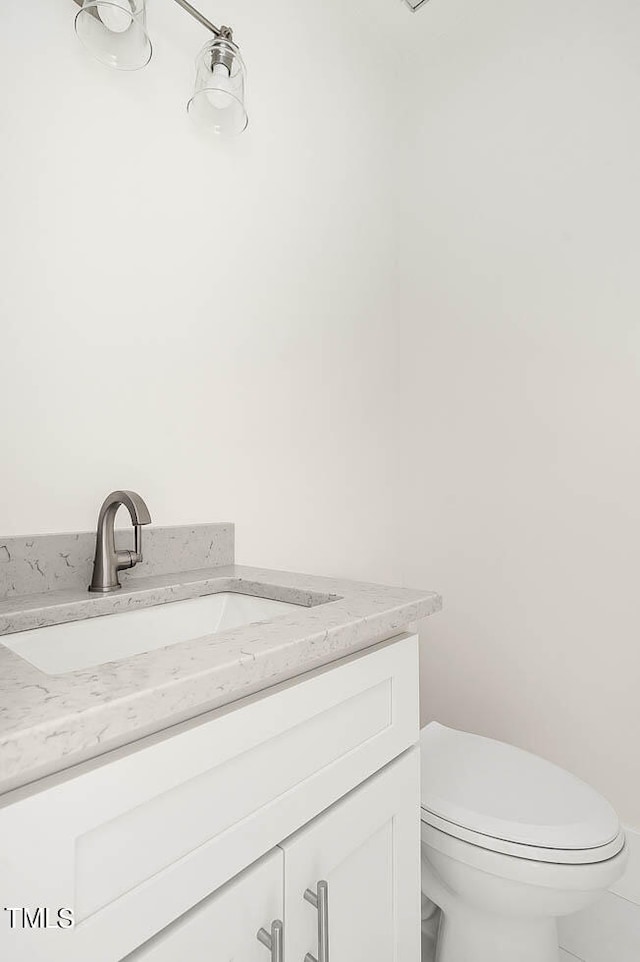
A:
x: 109, y: 561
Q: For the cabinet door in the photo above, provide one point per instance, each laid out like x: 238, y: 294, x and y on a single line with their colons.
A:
x: 367, y: 849
x: 224, y: 926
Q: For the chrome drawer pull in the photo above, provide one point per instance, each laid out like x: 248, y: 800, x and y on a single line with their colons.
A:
x: 274, y: 941
x: 320, y: 901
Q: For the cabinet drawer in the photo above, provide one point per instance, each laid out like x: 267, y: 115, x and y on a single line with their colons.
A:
x: 134, y: 841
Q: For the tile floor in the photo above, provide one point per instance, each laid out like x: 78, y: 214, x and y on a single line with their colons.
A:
x: 609, y: 931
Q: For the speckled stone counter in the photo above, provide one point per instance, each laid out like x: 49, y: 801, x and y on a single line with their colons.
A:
x: 38, y: 564
x: 50, y: 722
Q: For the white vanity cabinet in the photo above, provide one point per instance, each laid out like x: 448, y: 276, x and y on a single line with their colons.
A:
x: 362, y: 850
x: 184, y: 844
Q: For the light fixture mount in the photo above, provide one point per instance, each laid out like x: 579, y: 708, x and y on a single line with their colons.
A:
x: 225, y: 32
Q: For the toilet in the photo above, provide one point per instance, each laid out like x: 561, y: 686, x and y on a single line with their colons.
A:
x: 510, y: 843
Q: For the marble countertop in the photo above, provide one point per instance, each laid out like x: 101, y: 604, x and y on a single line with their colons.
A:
x: 51, y: 722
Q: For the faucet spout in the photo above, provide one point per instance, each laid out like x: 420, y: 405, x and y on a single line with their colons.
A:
x: 108, y: 560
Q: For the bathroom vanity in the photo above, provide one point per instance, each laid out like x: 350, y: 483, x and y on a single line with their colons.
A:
x: 249, y: 793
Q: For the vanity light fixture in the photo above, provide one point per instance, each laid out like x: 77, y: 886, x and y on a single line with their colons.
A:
x: 115, y: 32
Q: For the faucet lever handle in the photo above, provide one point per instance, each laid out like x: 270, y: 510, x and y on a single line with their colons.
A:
x: 137, y: 541
x: 129, y: 559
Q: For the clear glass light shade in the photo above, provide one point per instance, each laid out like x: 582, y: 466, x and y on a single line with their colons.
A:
x: 115, y: 32
x: 218, y: 97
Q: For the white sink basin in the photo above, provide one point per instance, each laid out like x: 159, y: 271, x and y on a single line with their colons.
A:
x: 58, y: 649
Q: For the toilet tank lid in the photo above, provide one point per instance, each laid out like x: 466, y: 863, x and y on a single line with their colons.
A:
x: 504, y: 792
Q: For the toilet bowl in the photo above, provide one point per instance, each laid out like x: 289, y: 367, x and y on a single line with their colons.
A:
x: 510, y: 843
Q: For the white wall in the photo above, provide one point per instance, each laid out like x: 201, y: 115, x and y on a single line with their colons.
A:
x: 209, y: 324
x: 219, y: 327
x: 521, y: 351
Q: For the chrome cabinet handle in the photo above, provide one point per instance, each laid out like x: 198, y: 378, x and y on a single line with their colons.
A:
x: 320, y: 901
x: 273, y: 941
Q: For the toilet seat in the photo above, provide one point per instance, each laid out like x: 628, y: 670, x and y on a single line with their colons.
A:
x: 506, y: 800
x: 557, y: 856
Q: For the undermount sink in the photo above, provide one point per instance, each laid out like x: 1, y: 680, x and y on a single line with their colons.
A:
x: 58, y: 649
